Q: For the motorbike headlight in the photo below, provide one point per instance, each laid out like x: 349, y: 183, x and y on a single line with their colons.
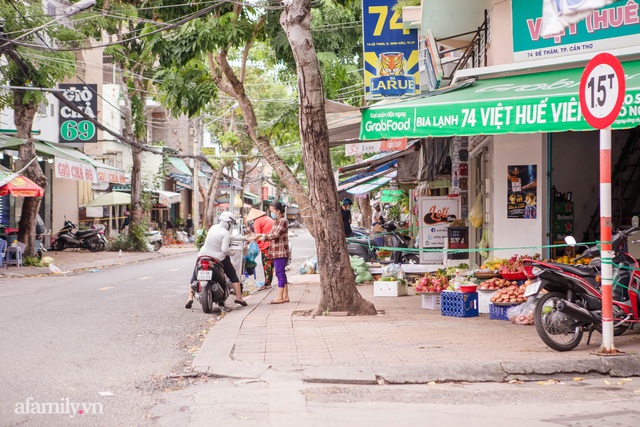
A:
x: 536, y: 271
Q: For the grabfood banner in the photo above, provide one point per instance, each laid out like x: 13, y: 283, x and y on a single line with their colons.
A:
x: 390, y: 52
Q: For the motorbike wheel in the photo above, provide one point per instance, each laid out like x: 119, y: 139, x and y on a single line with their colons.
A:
x: 94, y: 245
x: 557, y: 330
x: 410, y: 259
x: 157, y: 245
x: 207, y: 298
x: 58, y: 245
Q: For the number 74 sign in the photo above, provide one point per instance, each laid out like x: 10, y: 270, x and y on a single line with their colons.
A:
x: 602, y: 90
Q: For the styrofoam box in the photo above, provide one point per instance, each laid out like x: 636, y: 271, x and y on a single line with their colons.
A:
x: 389, y: 289
x: 431, y: 302
x: 484, y: 299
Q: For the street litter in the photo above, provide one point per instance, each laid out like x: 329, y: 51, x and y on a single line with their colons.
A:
x: 105, y: 393
x: 55, y: 270
x: 94, y: 271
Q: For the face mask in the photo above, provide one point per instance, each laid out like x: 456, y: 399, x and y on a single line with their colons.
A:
x: 273, y: 215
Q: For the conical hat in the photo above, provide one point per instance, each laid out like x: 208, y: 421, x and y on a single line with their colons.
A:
x: 253, y: 214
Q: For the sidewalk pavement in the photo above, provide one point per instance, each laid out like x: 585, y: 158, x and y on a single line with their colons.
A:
x: 71, y: 260
x: 403, y: 344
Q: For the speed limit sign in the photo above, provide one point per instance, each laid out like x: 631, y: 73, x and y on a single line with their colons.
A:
x: 602, y: 89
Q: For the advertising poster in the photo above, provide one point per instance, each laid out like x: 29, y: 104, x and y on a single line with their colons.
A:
x: 390, y: 52
x: 610, y: 27
x: 73, y: 126
x: 522, y: 191
x: 435, y: 215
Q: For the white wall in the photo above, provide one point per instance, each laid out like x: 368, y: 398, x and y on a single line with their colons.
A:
x: 64, y: 202
x: 501, y: 37
x: 530, y: 149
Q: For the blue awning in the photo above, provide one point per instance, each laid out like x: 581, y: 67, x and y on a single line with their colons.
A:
x: 372, y: 185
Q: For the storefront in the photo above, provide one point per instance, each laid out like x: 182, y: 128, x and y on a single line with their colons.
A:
x: 522, y: 143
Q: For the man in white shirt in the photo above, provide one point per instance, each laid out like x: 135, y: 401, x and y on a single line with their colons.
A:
x: 217, y: 245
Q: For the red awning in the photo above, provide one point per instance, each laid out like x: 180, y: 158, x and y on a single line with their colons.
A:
x: 21, y: 186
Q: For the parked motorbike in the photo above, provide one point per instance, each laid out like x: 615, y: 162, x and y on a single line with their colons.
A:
x: 154, y: 237
x: 92, y: 239
x: 210, y: 285
x: 573, y: 302
x: 366, y: 246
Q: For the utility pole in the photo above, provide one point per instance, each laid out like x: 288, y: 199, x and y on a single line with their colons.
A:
x: 196, y: 172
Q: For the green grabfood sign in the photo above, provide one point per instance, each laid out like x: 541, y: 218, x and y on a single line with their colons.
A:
x: 541, y: 102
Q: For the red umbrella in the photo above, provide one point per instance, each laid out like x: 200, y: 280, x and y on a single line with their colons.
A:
x: 21, y: 186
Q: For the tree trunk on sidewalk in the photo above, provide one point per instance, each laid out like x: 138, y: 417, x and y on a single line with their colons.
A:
x: 339, y: 292
x: 23, y: 119
x: 234, y: 87
x: 212, y: 193
x: 365, y: 209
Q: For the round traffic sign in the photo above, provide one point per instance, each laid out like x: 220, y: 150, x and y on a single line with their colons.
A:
x: 602, y: 89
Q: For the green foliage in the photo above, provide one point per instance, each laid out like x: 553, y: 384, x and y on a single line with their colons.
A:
x: 45, y: 68
x: 201, y: 236
x: 187, y: 89
x: 400, y: 4
x: 135, y: 240
x: 31, y: 261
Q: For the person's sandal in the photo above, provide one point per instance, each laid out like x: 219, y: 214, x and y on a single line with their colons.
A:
x: 188, y: 304
x: 264, y: 288
x: 241, y: 302
x: 275, y: 301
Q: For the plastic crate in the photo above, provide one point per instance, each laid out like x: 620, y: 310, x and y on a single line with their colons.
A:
x: 497, y: 312
x: 459, y: 304
x: 431, y: 302
x: 484, y: 300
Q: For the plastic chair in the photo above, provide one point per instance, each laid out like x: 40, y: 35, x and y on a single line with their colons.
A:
x: 3, y: 251
x: 14, y: 254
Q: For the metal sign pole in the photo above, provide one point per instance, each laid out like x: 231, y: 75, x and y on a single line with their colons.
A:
x: 606, y: 254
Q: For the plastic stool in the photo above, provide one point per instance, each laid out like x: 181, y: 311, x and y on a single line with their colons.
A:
x: 13, y: 256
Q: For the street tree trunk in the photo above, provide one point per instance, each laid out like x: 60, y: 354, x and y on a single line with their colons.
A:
x: 365, y: 208
x: 23, y: 119
x: 339, y: 292
x: 212, y: 193
x: 234, y: 87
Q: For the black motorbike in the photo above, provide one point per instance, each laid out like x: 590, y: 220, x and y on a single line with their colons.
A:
x: 366, y: 245
x: 210, y: 285
x: 84, y: 239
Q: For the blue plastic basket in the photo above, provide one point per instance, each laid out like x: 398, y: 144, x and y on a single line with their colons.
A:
x: 497, y: 312
x: 459, y: 304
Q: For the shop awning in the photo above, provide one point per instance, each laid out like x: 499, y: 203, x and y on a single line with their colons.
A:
x: 253, y: 197
x: 375, y: 163
x: 373, y: 184
x: 168, y: 197
x: 530, y: 103
x: 182, y: 167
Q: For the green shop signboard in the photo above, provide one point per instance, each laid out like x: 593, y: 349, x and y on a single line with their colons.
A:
x: 530, y: 103
x: 611, y: 27
x: 391, y: 196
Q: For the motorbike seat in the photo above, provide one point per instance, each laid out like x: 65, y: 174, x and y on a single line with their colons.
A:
x: 578, y: 270
x: 85, y: 232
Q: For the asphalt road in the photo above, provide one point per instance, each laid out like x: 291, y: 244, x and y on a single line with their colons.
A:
x: 108, y: 339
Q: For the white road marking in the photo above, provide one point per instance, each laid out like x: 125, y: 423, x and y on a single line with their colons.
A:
x: 106, y: 288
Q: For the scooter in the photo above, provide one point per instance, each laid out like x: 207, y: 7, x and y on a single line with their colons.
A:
x: 572, y: 304
x: 85, y: 239
x: 154, y: 238
x: 210, y: 285
x: 366, y: 246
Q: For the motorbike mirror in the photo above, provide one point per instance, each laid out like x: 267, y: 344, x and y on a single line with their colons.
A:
x: 570, y: 240
x: 635, y: 221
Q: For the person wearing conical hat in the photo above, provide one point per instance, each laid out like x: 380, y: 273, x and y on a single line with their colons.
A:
x: 262, y: 224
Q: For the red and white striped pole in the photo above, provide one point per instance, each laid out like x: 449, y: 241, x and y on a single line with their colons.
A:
x: 606, y: 254
x: 602, y: 92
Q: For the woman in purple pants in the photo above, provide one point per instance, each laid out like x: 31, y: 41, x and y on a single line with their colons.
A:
x: 279, y: 249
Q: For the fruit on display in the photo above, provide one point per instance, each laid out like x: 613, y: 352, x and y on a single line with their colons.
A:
x: 567, y: 260
x: 495, y: 284
x: 431, y: 283
x: 510, y: 294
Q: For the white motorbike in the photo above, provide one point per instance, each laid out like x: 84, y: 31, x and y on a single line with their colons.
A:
x: 154, y: 238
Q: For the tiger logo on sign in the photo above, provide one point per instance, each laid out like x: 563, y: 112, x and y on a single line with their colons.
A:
x: 391, y: 64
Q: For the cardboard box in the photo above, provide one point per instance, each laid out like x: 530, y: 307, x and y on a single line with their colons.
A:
x: 431, y: 302
x: 390, y: 289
